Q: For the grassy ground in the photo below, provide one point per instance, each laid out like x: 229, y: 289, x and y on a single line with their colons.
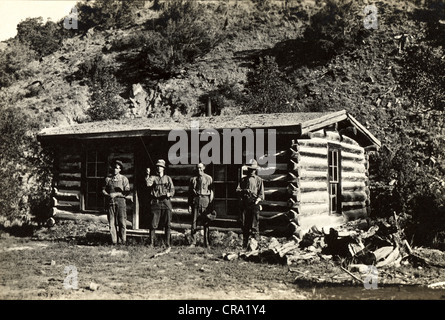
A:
x: 42, y: 267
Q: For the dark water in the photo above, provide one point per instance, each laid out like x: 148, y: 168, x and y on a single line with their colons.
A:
x: 383, y: 292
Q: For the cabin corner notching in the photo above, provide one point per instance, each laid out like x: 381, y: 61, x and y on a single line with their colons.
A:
x: 319, y: 176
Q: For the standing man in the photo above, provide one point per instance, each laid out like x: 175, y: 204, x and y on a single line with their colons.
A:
x: 199, y: 200
x: 251, y: 193
x: 116, y: 190
x: 162, y: 190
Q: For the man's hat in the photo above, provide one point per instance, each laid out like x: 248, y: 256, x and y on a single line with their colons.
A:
x: 116, y: 161
x: 160, y: 163
x: 253, y: 165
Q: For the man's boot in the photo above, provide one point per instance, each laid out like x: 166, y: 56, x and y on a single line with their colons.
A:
x: 206, y: 236
x: 152, y: 237
x: 167, y: 237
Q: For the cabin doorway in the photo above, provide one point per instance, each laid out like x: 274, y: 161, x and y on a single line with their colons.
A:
x: 143, y: 160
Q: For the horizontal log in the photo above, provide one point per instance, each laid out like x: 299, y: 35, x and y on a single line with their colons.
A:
x: 181, y: 211
x: 70, y: 176
x: 272, y: 214
x: 70, y: 157
x: 355, y: 214
x: 354, y: 167
x: 348, y: 140
x: 65, y: 184
x: 66, y: 193
x: 314, y: 197
x: 312, y: 163
x: 181, y: 191
x: 313, y: 185
x: 353, y: 196
x: 190, y: 167
x: 65, y: 215
x: 179, y: 200
x: 351, y: 205
x: 317, y: 152
x: 181, y: 178
x: 274, y: 204
x: 276, y: 177
x: 353, y: 185
x: 350, y: 156
x: 305, y: 209
x: 124, y: 157
x: 278, y: 154
x: 65, y: 203
x: 313, y: 174
x: 270, y: 169
x: 69, y: 167
x: 274, y: 191
x: 322, y: 134
x: 353, y: 176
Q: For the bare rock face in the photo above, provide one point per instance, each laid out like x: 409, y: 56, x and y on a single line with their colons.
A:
x: 139, y: 101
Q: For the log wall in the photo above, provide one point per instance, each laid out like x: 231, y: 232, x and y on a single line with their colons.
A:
x: 310, y: 188
x: 68, y: 193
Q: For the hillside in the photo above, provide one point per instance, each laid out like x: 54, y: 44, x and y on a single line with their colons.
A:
x: 321, y: 58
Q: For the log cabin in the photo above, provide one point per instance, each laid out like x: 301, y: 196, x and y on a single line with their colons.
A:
x: 317, y: 172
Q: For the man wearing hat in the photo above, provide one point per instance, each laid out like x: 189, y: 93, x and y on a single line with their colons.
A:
x: 199, y: 199
x: 116, y: 190
x: 251, y: 193
x: 162, y: 190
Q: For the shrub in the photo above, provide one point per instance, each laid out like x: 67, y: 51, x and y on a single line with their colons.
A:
x: 105, y: 14
x: 410, y: 189
x: 25, y: 179
x: 339, y: 22
x: 43, y: 38
x: 13, y: 61
x: 269, y: 91
x: 183, y: 32
x: 423, y: 77
x: 226, y: 97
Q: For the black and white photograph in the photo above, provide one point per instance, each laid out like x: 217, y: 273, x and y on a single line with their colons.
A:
x: 220, y: 157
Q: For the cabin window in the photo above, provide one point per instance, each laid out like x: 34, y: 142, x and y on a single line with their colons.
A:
x: 95, y: 173
x: 334, y: 179
x: 225, y: 181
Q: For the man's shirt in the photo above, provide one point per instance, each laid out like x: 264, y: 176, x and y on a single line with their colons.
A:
x: 160, y: 186
x: 200, y: 186
x: 254, y: 184
x: 117, y: 183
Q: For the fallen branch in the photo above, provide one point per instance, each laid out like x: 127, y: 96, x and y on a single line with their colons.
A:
x: 166, y: 251
x: 428, y: 262
x: 352, y: 275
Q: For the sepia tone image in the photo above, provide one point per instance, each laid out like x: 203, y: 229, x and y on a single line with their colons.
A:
x: 224, y: 150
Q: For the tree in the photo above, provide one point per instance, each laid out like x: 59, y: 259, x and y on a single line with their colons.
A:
x: 268, y: 90
x: 43, y: 38
x: 423, y: 77
x: 183, y: 32
x: 25, y: 168
x: 105, y: 100
x: 13, y: 61
x: 105, y: 14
